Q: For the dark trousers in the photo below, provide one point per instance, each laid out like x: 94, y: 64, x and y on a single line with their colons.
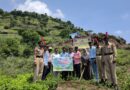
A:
x: 76, y: 70
x: 70, y: 73
x: 45, y: 72
x: 86, y: 68
x: 64, y: 75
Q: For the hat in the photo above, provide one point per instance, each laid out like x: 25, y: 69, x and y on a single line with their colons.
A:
x: 106, y: 37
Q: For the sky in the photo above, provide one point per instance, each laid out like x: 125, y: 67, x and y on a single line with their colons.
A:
x: 112, y: 16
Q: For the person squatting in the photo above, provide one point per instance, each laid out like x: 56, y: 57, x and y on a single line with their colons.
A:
x: 98, y: 62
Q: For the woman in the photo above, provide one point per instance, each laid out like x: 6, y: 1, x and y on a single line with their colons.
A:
x: 85, y: 64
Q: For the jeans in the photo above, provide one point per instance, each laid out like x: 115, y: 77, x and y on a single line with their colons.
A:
x: 94, y: 68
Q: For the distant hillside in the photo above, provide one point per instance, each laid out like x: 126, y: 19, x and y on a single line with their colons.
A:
x: 53, y: 29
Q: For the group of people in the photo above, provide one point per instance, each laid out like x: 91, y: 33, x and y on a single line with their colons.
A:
x: 97, y: 61
x: 43, y: 57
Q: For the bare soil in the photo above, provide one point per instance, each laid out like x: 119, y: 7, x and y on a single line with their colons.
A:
x: 75, y: 85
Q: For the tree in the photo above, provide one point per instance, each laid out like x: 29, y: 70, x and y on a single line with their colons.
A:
x: 29, y: 36
x: 1, y: 11
x: 90, y: 31
x: 10, y: 47
x: 16, y: 12
x: 65, y: 34
x: 12, y: 21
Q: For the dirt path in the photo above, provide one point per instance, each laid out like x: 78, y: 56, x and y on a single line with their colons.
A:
x: 69, y: 85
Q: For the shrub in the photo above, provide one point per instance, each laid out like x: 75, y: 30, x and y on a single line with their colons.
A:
x: 21, y: 82
x: 27, y: 52
x: 10, y: 47
x: 29, y: 36
x: 6, y: 27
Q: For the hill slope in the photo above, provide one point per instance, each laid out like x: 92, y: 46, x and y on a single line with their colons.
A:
x: 53, y: 29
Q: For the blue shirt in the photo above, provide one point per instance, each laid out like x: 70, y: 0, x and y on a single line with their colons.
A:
x: 64, y: 54
x: 46, y: 57
x: 92, y: 52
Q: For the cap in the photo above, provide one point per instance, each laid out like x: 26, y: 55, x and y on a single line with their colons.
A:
x: 50, y: 47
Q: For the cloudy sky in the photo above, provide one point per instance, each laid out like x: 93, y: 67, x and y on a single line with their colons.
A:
x: 111, y: 16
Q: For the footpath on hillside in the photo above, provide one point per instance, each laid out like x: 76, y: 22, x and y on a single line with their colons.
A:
x: 80, y: 85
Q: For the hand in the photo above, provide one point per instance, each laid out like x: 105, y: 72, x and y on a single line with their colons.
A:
x: 35, y: 62
x: 95, y: 61
x: 115, y: 57
x: 103, y: 63
x: 114, y: 61
x: 85, y: 64
x: 49, y: 63
x: 47, y: 66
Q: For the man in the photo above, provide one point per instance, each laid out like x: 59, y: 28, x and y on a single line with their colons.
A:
x: 46, y: 63
x: 92, y: 58
x: 71, y: 54
x: 99, y: 61
x: 55, y: 55
x: 38, y: 61
x: 64, y: 54
x: 109, y: 54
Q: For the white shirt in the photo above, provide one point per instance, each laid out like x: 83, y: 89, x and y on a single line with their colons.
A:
x: 54, y: 55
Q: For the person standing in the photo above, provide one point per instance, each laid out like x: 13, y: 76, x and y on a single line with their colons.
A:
x: 64, y: 54
x: 99, y: 62
x: 109, y: 55
x: 55, y: 55
x: 85, y: 64
x: 77, y: 61
x: 50, y: 58
x: 38, y: 61
x: 71, y: 54
x: 46, y: 63
x: 92, y: 58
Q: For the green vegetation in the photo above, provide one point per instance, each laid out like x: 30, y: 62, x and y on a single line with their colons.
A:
x: 16, y: 73
x: 123, y: 69
x: 15, y: 21
x: 19, y: 33
x: 24, y: 82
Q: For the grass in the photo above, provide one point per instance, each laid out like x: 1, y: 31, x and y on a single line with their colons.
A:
x: 5, y: 36
x: 123, y: 57
x: 12, y: 67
